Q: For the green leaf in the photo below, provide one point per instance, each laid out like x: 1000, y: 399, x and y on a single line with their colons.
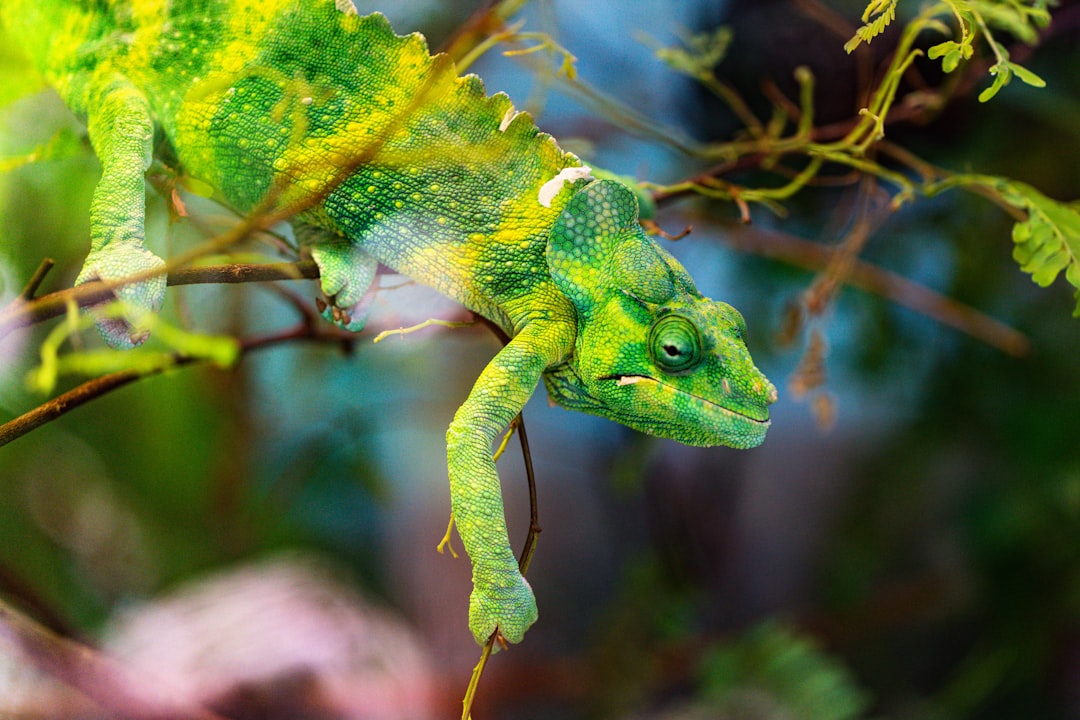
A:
x: 1072, y: 274
x: 941, y: 49
x: 1001, y: 79
x: 1016, y: 19
x: 222, y: 351
x: 65, y: 143
x: 1027, y: 76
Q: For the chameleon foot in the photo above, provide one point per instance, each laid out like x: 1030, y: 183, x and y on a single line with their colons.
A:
x: 114, y: 262
x: 510, y: 608
x: 346, y: 274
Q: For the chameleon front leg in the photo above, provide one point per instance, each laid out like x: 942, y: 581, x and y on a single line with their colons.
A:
x: 501, y: 598
x: 122, y: 133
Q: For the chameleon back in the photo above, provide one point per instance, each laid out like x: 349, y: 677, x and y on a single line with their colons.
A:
x: 371, y: 138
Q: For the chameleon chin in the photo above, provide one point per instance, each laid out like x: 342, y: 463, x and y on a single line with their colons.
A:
x: 380, y: 153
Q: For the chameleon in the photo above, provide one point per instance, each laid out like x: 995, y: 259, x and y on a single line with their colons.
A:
x: 380, y: 153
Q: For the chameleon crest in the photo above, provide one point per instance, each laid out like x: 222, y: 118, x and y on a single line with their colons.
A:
x: 382, y: 154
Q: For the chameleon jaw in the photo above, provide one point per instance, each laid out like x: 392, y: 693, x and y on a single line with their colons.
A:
x: 623, y: 380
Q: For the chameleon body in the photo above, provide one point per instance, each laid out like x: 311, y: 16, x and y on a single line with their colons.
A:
x: 381, y: 153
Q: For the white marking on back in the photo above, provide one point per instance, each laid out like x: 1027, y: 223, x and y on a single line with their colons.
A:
x: 551, y: 188
x: 508, y: 118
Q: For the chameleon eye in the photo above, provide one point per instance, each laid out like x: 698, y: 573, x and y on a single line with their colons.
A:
x: 675, y: 344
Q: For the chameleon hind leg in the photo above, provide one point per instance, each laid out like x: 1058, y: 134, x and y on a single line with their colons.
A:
x: 346, y: 276
x: 122, y: 133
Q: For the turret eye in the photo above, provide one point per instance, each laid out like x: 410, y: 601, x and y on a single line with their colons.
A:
x: 675, y: 344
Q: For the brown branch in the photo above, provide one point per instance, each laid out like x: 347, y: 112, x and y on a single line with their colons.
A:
x: 36, y: 279
x: 66, y: 402
x: 92, y: 389
x: 27, y: 597
x: 100, y: 678
x: 484, y: 22
x: 245, y: 273
x: 23, y: 314
x: 870, y: 278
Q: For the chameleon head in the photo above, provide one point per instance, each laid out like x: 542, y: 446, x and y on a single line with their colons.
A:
x: 651, y: 352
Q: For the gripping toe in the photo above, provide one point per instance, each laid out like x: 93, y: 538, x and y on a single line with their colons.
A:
x: 346, y: 275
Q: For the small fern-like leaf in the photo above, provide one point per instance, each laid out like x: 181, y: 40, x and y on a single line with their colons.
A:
x: 1048, y: 242
x: 883, y: 12
x: 773, y: 671
x: 699, y: 54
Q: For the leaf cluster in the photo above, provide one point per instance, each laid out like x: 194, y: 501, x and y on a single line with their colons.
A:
x: 774, y: 668
x: 792, y: 147
x: 975, y: 20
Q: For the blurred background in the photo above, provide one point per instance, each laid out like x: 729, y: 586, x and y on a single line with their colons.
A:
x: 906, y: 543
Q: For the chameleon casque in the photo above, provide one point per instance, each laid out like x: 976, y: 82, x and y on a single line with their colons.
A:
x: 387, y: 156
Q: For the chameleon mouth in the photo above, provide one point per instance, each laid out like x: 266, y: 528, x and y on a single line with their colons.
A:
x: 621, y: 380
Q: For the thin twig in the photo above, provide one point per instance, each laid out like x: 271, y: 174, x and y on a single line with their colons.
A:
x: 482, y: 23
x: 93, y: 389
x: 870, y: 278
x: 534, y: 512
x: 526, y: 551
x: 36, y: 279
x: 23, y: 314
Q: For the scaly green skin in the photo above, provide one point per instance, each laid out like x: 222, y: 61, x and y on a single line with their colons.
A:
x: 384, y: 155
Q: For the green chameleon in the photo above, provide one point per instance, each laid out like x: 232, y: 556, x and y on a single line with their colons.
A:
x: 382, y: 154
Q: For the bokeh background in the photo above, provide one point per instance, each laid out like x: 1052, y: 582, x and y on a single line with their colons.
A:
x: 906, y: 544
